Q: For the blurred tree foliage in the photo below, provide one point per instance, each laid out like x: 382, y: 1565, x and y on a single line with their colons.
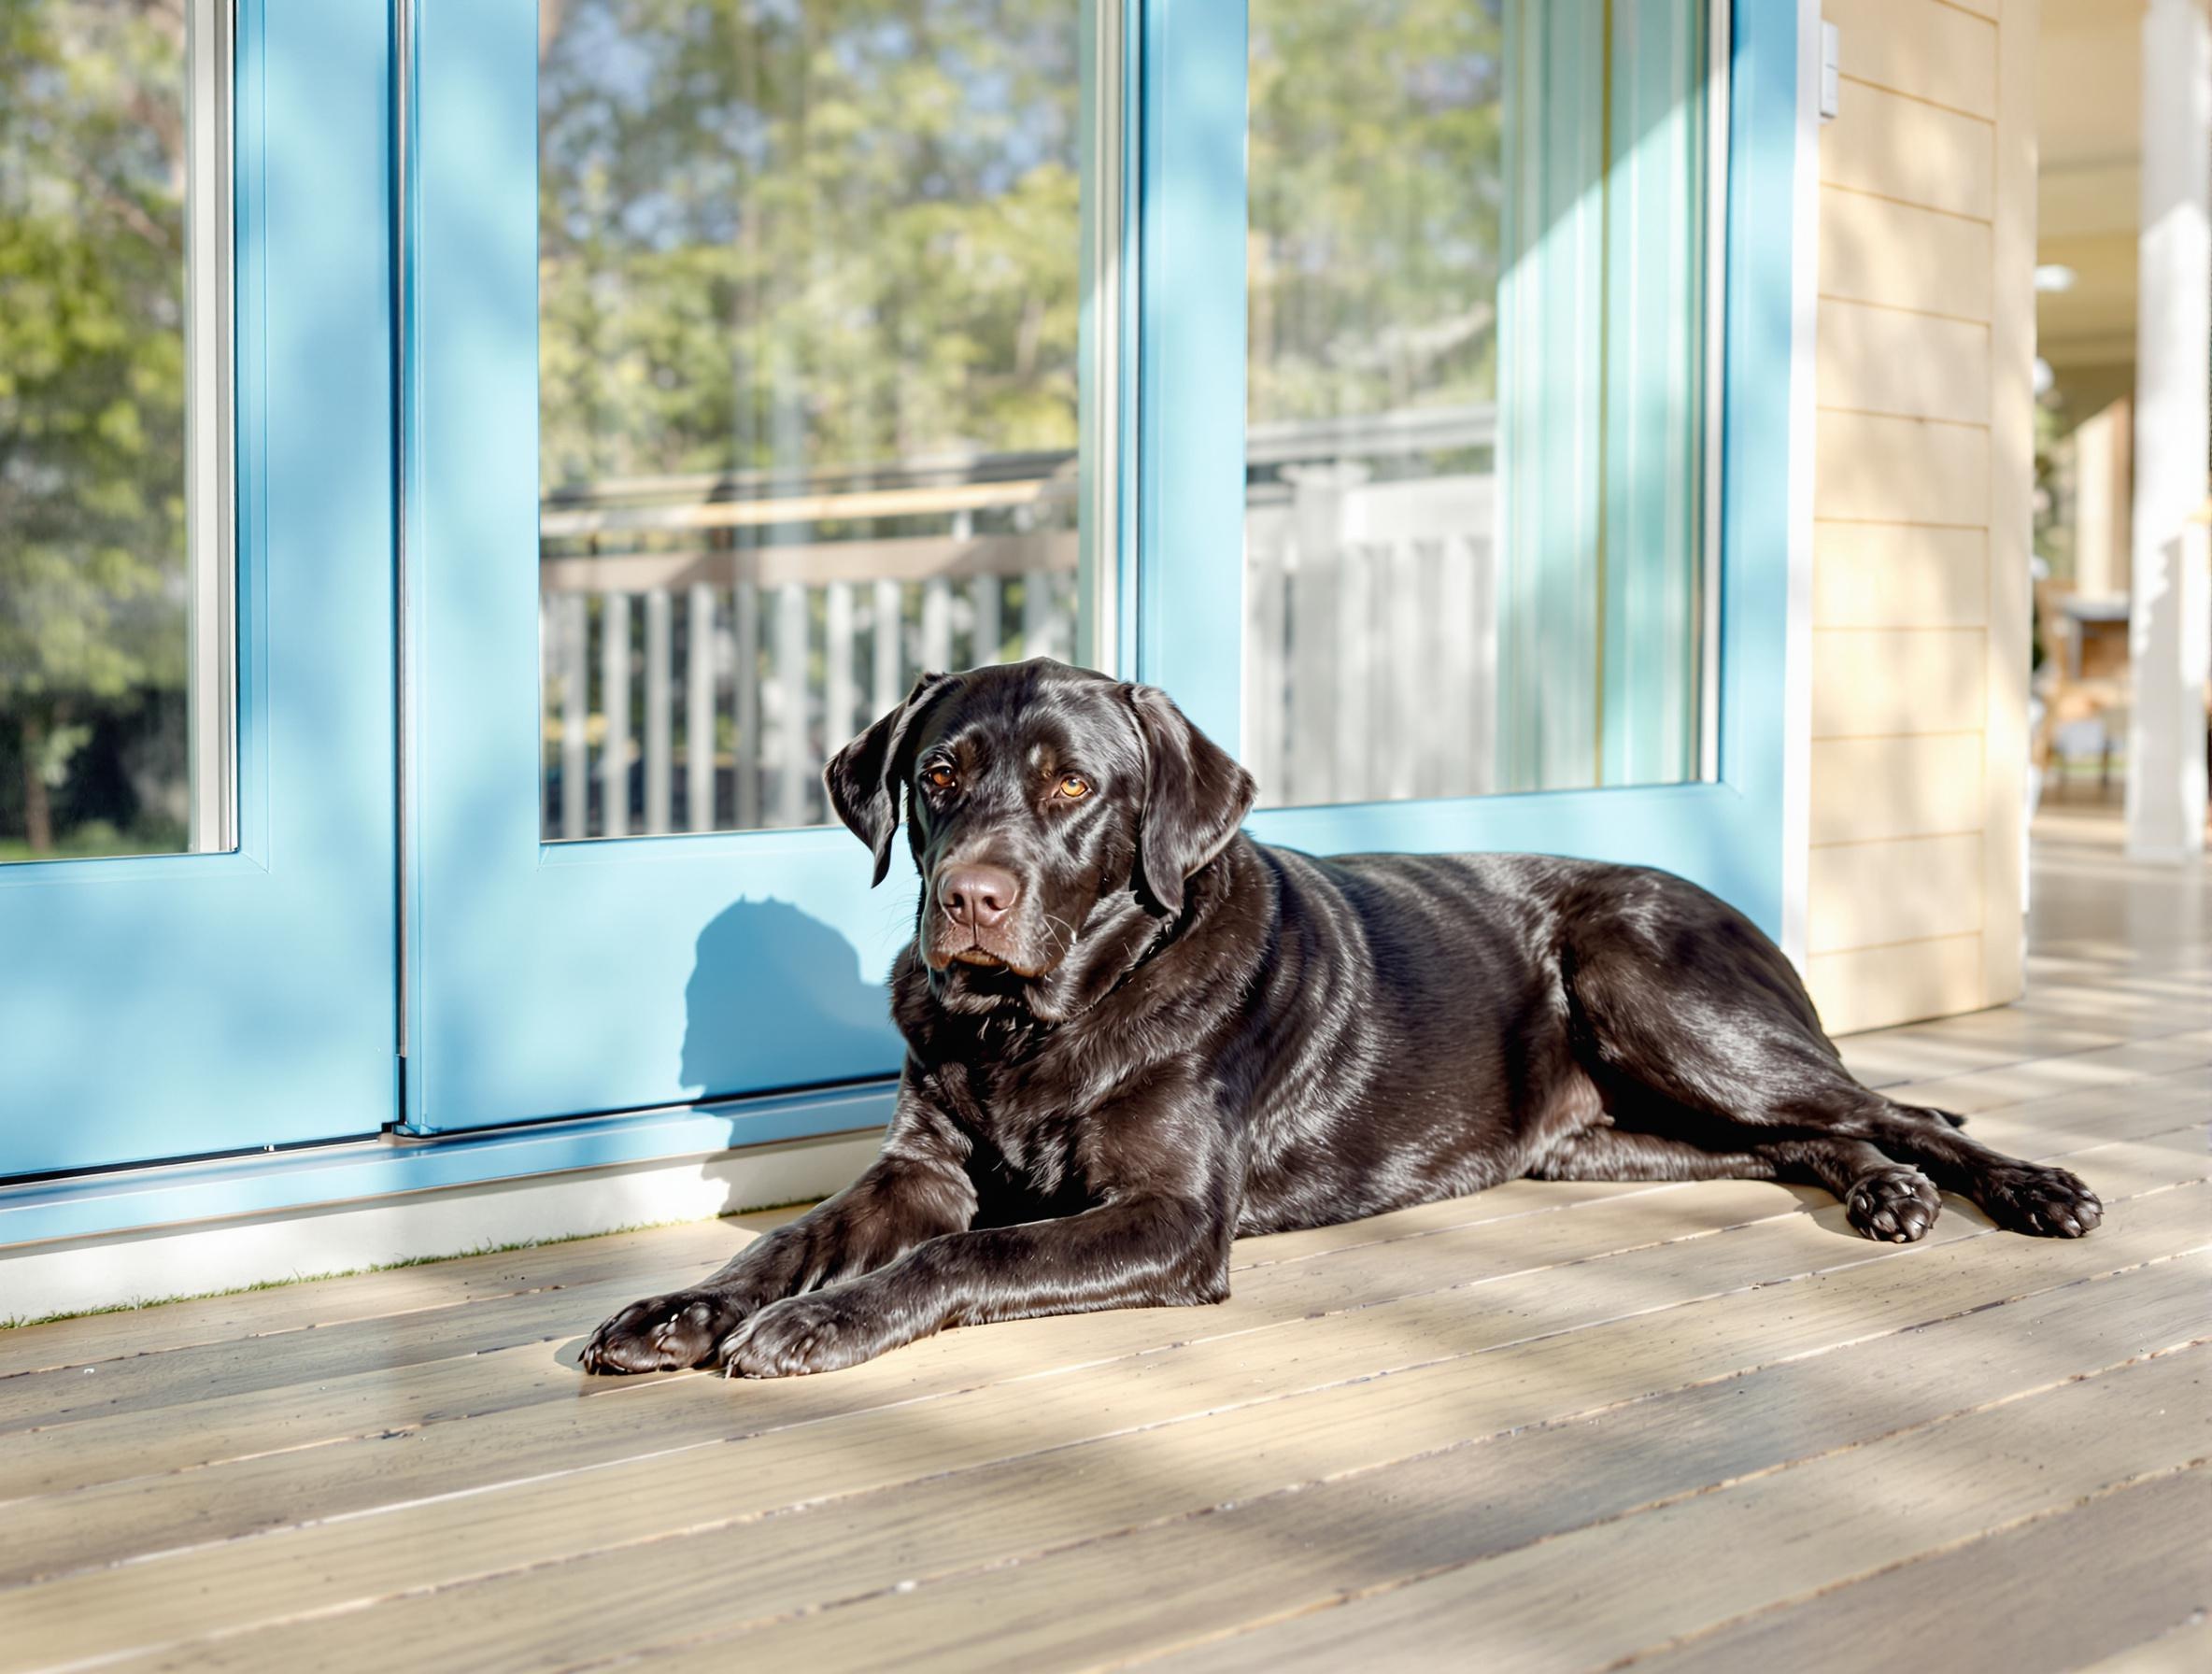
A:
x: 92, y: 167
x: 804, y: 236
x: 842, y: 233
x: 1377, y: 186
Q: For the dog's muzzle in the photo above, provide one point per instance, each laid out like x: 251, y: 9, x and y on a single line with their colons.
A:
x: 974, y: 912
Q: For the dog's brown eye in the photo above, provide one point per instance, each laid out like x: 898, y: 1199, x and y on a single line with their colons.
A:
x: 1074, y: 787
x: 940, y: 775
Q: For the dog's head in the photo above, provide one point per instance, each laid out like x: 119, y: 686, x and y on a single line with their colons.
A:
x: 1040, y: 799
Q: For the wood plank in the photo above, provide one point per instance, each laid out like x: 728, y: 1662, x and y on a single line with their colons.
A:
x: 745, y: 676
x: 660, y: 705
x: 383, y: 1294
x: 500, y: 1373
x: 792, y: 760
x: 998, y: 1411
x: 1874, y: 250
x: 2105, y: 1082
x: 615, y: 664
x: 2007, y: 1037
x: 698, y: 706
x: 2058, y: 1593
x: 2095, y: 1000
x: 1904, y: 890
x: 573, y: 638
x: 563, y: 1277
x: 887, y: 645
x: 744, y: 1565
x: 1870, y: 788
x: 1923, y: 48
x: 1897, y: 1056
x: 2020, y: 1081
x: 156, y: 1513
x: 163, y: 1513
x: 1508, y: 1604
x: 1879, y: 469
x: 1910, y: 150
x: 2185, y: 1648
x: 1880, y: 683
x: 1899, y: 575
x: 1531, y: 1604
x: 525, y: 1359
x: 1909, y: 366
x: 577, y: 1295
x: 803, y: 508
x: 673, y: 1250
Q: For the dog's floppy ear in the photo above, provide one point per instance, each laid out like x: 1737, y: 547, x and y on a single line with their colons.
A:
x: 1196, y: 796
x: 865, y: 777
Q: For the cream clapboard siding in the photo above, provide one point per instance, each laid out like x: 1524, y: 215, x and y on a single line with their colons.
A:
x: 1921, y: 505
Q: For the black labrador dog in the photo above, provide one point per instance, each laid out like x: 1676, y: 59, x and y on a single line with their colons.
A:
x: 1134, y: 1034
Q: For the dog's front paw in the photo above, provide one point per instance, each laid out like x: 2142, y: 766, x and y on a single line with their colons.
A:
x: 1897, y: 1205
x: 664, y: 1333
x: 2025, y: 1196
x: 798, y: 1335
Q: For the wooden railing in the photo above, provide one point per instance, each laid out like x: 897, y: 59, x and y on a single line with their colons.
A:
x: 708, y: 641
x: 752, y: 663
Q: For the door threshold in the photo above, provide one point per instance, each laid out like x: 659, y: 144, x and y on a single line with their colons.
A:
x: 150, y: 1234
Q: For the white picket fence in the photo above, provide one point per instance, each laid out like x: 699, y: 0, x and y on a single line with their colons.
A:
x: 1370, y: 638
x: 718, y: 700
x: 702, y: 690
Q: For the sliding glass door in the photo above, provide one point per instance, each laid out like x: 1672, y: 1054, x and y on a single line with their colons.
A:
x: 768, y: 397
x: 1513, y: 498
x: 1477, y: 537
x: 464, y: 467
x: 1354, y: 368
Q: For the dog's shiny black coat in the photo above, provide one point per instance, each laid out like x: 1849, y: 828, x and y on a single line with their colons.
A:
x: 1163, y: 1035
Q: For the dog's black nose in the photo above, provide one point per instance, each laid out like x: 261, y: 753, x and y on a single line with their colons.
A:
x: 977, y: 897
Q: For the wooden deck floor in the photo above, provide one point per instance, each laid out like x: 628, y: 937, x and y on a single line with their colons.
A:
x: 1552, y: 1427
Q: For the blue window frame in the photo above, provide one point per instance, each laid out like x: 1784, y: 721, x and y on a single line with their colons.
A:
x: 184, y: 1004
x: 1726, y: 832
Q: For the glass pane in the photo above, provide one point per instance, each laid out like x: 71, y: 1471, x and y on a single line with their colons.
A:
x: 115, y: 558
x: 809, y: 285
x: 1476, y: 426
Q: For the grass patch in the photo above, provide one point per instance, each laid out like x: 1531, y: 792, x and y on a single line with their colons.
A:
x: 99, y: 841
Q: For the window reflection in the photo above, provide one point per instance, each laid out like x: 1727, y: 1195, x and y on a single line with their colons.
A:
x: 114, y: 558
x: 1473, y: 523
x: 809, y: 294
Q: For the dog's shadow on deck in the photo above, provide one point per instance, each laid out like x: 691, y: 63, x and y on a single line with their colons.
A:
x: 775, y: 995
x: 776, y: 999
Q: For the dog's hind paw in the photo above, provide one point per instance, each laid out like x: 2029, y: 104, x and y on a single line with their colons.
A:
x: 2025, y: 1196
